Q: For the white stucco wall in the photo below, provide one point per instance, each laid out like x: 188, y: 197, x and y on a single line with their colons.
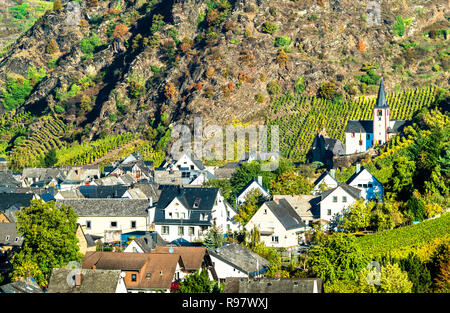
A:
x: 335, y: 207
x: 100, y: 224
x: 362, y: 182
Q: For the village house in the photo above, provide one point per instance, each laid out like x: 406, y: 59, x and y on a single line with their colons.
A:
x: 234, y: 260
x: 334, y: 201
x: 362, y: 135
x: 273, y: 285
x: 142, y: 242
x: 306, y: 206
x: 42, y: 177
x: 7, y: 180
x: 110, y: 218
x: 371, y: 188
x: 188, y: 212
x: 280, y: 226
x: 252, y: 185
x: 142, y: 272
x: 63, y: 280
x: 324, y: 182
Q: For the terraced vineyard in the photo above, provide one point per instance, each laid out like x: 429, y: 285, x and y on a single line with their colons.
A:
x: 42, y: 139
x: 301, y: 118
x: 400, y: 241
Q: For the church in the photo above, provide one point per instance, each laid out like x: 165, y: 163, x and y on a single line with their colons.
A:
x: 362, y: 135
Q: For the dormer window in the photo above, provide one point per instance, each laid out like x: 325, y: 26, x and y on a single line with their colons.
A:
x: 197, y: 203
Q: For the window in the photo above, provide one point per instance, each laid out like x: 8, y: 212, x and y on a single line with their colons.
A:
x: 177, y: 215
x: 359, y: 185
x: 360, y: 142
x: 344, y: 199
x: 191, y: 231
x: 329, y: 212
x: 275, y: 239
x: 114, y: 224
x: 368, y: 136
x: 265, y: 211
x: 133, y: 224
x: 353, y: 135
x: 335, y: 199
x: 181, y: 231
x: 380, y: 112
x: 370, y: 185
x: 183, y: 215
x: 133, y: 277
x: 165, y: 230
x: 170, y: 214
x: 365, y: 185
x: 88, y: 224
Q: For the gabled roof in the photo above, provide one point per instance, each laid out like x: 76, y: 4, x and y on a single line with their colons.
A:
x: 352, y: 191
x: 108, y: 207
x: 18, y: 199
x: 22, y: 286
x: 8, y: 235
x: 114, y: 191
x: 286, y: 214
x: 381, y: 98
x: 240, y: 257
x: 192, y: 257
x: 157, y: 270
x: 150, y: 190
x: 322, y: 176
x: 359, y: 127
x: 355, y: 175
x: 93, y: 281
x: 8, y: 180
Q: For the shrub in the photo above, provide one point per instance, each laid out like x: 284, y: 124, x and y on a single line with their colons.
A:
x: 120, y: 30
x: 282, y: 58
x: 59, y: 109
x: 299, y: 85
x: 259, y: 97
x: 400, y: 24
x: 57, y: 5
x: 170, y: 90
x: 88, y: 45
x: 273, y: 88
x: 282, y: 41
x: 327, y: 90
x: 269, y: 28
x: 52, y: 47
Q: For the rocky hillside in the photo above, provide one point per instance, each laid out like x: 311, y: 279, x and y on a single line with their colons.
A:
x: 125, y: 65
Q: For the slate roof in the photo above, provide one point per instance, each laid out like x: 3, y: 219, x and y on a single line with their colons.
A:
x: 93, y: 281
x: 150, y: 190
x: 352, y: 191
x: 353, y: 177
x: 149, y: 241
x: 359, y: 126
x: 18, y: 199
x: 240, y: 257
x: 115, y: 191
x: 381, y: 98
x: 304, y: 205
x: 187, y: 196
x: 71, y: 194
x: 8, y: 180
x: 248, y: 185
x: 398, y: 126
x: 22, y: 286
x: 334, y: 145
x: 108, y: 207
x: 10, y: 230
x: 322, y: 176
x: 136, y: 193
x: 286, y: 214
x: 271, y: 285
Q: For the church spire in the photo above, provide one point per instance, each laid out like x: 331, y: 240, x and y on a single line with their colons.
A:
x: 381, y: 98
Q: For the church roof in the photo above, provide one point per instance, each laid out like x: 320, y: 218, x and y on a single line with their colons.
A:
x: 359, y: 126
x: 381, y: 98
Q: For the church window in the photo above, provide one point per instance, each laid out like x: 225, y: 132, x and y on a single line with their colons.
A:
x: 380, y: 112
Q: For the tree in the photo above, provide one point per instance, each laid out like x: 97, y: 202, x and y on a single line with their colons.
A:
x: 392, y: 280
x: 50, y: 240
x: 50, y: 158
x: 418, y: 273
x: 57, y: 5
x: 214, y: 238
x: 224, y: 186
x: 253, y: 201
x: 401, y: 180
x: 357, y: 216
x: 290, y: 183
x: 199, y: 282
x: 336, y: 257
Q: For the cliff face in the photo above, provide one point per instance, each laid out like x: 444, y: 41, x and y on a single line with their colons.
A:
x: 214, y: 58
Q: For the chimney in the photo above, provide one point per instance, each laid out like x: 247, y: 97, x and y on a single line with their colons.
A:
x: 276, y: 200
x: 78, y: 279
x: 260, y: 180
x: 332, y: 171
x: 358, y: 168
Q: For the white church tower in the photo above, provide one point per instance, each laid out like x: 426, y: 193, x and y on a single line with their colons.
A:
x: 380, y: 117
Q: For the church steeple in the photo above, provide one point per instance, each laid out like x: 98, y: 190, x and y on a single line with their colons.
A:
x: 381, y: 98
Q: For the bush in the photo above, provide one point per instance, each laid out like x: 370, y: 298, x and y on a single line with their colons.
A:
x: 88, y: 45
x: 269, y: 28
x: 59, y: 109
x: 120, y: 30
x: 52, y: 47
x: 282, y: 41
x: 273, y: 88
